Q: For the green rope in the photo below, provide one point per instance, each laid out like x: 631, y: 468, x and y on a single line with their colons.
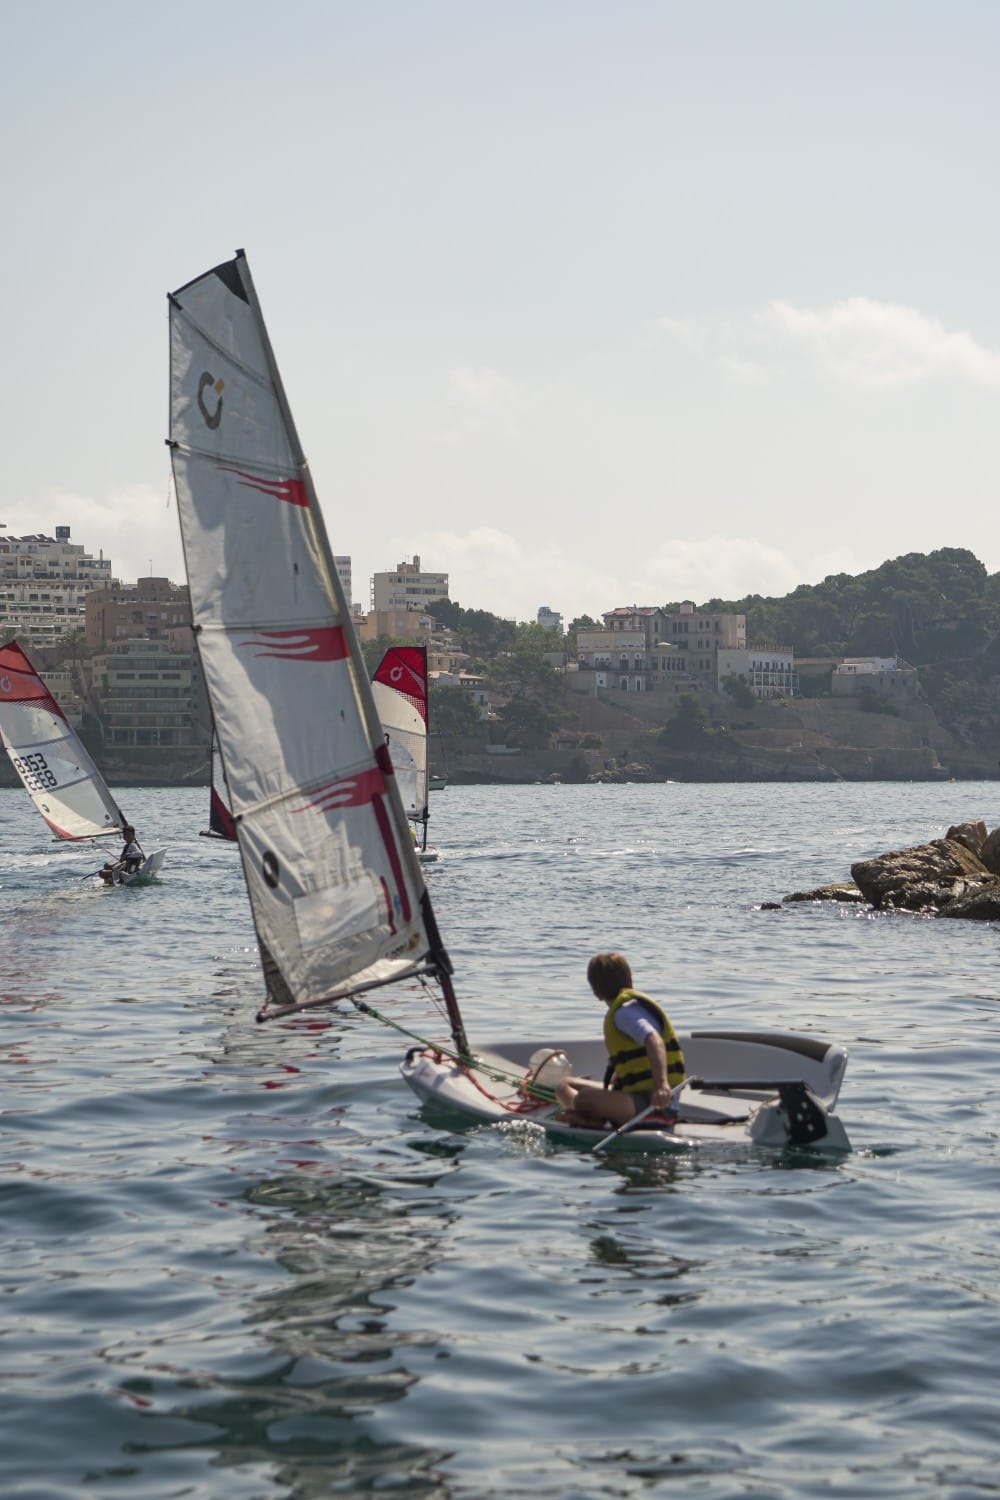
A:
x: 540, y: 1091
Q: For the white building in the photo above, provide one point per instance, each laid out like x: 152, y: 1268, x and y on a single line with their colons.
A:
x: 550, y: 619
x: 889, y: 676
x: 769, y: 671
x: 343, y: 566
x: 407, y: 587
x: 43, y: 583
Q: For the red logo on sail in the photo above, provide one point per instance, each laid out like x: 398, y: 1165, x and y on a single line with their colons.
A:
x: 404, y: 668
x: 292, y: 491
x: 327, y: 643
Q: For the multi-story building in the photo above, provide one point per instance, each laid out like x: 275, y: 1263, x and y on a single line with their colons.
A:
x: 146, y: 610
x: 625, y: 660
x: 769, y: 671
x: 408, y: 587
x: 643, y: 647
x: 343, y: 566
x: 43, y: 583
x: 148, y: 695
x: 550, y: 619
x: 395, y: 625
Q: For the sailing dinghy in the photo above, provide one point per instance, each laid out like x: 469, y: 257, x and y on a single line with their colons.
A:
x: 54, y: 765
x: 399, y: 687
x: 337, y: 893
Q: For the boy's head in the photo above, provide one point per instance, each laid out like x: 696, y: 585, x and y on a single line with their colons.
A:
x: 608, y: 974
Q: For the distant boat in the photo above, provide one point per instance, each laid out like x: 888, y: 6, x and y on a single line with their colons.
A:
x: 220, y: 818
x: 339, y: 900
x: 53, y: 763
x: 436, y: 783
x: 399, y: 688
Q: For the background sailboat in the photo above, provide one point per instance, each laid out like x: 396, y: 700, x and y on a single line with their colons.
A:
x: 337, y: 893
x: 54, y: 765
x: 220, y: 818
x: 399, y: 687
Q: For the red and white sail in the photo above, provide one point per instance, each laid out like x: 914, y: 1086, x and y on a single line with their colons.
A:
x: 47, y: 753
x: 399, y: 687
x: 221, y: 824
x: 337, y: 894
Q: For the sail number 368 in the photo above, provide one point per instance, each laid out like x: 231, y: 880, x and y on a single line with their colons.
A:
x: 34, y: 772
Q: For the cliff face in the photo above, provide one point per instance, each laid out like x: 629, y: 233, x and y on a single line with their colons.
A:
x: 803, y: 739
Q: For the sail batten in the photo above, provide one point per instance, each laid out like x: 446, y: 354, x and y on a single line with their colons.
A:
x: 336, y: 892
x: 48, y: 755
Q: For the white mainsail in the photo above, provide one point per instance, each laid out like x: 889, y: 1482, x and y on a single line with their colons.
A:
x: 337, y: 895
x: 58, y: 773
x: 399, y: 687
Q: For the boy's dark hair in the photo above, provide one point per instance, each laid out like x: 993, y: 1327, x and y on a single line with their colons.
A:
x: 608, y: 974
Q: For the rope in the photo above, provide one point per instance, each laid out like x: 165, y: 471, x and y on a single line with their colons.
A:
x: 540, y: 1093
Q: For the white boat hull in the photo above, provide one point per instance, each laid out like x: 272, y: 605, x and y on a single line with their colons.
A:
x: 146, y: 870
x: 744, y: 1088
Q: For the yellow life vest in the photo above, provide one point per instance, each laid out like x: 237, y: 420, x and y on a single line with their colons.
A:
x: 629, y: 1060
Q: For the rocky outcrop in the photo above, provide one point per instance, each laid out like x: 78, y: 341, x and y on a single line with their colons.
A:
x: 957, y: 876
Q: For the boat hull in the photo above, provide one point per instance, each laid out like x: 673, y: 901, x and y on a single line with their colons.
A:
x: 146, y: 870
x: 770, y: 1089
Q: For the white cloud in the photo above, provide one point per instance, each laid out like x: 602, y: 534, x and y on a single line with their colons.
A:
x: 489, y: 570
x: 881, y: 343
x: 133, y: 526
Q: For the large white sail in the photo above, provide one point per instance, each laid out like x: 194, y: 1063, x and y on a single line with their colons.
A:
x: 399, y: 687
x: 336, y: 891
x: 58, y: 774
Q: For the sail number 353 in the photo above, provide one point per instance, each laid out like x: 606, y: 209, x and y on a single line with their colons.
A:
x: 34, y: 772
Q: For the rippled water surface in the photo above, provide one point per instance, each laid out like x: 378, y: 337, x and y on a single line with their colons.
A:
x: 238, y: 1262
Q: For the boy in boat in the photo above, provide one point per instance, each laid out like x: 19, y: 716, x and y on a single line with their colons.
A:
x: 127, y: 862
x: 645, y: 1057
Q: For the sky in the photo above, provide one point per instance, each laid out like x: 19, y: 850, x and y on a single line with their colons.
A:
x: 585, y: 304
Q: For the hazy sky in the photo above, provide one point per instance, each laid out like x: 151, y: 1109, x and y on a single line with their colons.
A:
x: 585, y: 303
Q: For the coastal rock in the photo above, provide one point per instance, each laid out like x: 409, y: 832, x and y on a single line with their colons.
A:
x: 980, y: 905
x: 990, y: 852
x: 972, y: 834
x: 928, y: 876
x: 844, y: 890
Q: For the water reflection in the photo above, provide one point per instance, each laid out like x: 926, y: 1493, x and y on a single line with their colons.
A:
x: 347, y: 1248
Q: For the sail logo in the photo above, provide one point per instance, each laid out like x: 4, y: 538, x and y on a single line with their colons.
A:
x: 328, y: 643
x: 212, y: 418
x: 353, y: 791
x: 291, y: 491
x: 6, y: 686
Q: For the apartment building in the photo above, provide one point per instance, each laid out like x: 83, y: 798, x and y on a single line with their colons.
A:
x: 44, y: 581
x: 407, y: 587
x: 148, y: 695
x: 147, y: 610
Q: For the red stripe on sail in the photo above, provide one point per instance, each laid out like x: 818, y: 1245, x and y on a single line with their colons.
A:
x: 20, y: 683
x: 392, y: 850
x: 351, y: 791
x: 328, y: 643
x: 364, y: 789
x: 292, y: 491
x: 403, y: 669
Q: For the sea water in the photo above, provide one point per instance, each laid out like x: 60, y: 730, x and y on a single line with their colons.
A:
x: 239, y: 1262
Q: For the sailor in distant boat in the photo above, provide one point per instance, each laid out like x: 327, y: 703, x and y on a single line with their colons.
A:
x: 127, y: 862
x: 645, y: 1058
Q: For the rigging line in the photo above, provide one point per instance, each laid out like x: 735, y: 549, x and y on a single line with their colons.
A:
x: 474, y: 1064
